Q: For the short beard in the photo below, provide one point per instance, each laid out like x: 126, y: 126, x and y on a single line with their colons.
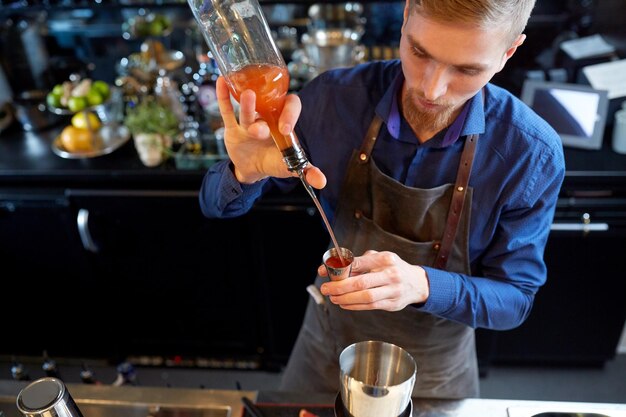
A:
x: 421, y: 120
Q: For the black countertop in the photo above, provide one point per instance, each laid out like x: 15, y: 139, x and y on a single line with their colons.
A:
x: 27, y: 159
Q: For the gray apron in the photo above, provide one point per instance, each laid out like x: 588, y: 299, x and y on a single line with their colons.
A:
x: 424, y: 227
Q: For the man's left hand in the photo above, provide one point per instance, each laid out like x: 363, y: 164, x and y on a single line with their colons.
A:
x: 378, y: 281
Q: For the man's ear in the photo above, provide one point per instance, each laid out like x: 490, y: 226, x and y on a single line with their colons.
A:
x: 509, y: 52
x: 407, y: 7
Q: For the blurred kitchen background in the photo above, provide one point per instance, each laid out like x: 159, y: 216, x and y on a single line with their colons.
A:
x: 109, y: 273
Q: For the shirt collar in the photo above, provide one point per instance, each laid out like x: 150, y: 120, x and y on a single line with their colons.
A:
x: 471, y: 120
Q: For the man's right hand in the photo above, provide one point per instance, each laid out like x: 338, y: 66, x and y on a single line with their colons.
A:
x: 249, y: 144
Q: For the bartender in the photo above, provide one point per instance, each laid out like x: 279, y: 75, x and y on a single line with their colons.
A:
x: 443, y: 184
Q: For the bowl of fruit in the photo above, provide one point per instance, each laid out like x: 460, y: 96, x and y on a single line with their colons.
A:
x: 76, y: 95
x: 87, y: 137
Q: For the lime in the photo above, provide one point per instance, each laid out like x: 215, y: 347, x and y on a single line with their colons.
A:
x: 102, y: 87
x: 57, y: 90
x: 94, y: 97
x: 155, y: 28
x: 77, y: 103
x: 142, y: 28
x: 164, y: 20
x: 53, y: 100
x: 86, y: 120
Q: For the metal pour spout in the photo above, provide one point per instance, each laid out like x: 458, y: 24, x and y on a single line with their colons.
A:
x: 306, y: 184
x: 311, y: 192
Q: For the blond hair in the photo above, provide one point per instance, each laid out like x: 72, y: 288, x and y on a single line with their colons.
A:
x: 510, y: 15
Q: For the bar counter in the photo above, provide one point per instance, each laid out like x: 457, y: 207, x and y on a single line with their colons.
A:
x: 212, y: 403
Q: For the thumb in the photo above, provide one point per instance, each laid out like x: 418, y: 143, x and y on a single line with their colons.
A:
x: 315, y: 177
x: 364, y: 263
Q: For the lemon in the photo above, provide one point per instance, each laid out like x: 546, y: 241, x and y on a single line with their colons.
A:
x: 86, y: 120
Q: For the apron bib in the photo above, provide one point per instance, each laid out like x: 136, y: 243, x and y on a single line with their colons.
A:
x: 423, y: 226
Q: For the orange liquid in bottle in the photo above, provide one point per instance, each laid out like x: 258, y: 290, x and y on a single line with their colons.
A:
x: 270, y: 84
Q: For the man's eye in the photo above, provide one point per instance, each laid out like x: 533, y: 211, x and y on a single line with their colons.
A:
x: 469, y: 71
x: 418, y: 53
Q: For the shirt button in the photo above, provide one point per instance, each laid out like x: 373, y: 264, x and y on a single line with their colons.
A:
x: 363, y: 156
x: 358, y: 214
x: 436, y: 246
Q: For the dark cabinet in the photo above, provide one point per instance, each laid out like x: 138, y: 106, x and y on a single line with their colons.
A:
x: 146, y: 271
x: 117, y: 273
x: 291, y: 240
x: 36, y: 237
x: 579, y: 314
x: 175, y: 282
x: 41, y: 264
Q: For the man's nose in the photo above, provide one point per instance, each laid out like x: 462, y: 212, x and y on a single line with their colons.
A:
x: 435, y: 83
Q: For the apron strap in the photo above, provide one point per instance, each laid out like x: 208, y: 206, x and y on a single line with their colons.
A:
x: 370, y: 139
x: 458, y: 199
x: 458, y: 194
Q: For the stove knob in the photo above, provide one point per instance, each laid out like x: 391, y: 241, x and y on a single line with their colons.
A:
x: 126, y: 374
x: 18, y: 372
x: 87, y: 375
x: 49, y: 366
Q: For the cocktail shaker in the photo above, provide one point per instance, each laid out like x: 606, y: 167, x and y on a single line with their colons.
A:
x: 376, y: 380
x: 47, y: 397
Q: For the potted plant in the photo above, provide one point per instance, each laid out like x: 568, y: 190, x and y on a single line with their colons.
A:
x: 153, y: 126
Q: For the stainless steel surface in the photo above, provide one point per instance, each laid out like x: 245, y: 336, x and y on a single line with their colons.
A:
x: 347, y: 14
x: 562, y: 414
x: 332, y: 48
x: 377, y: 379
x: 340, y: 409
x: 82, y: 222
x: 565, y: 410
x: 47, y: 397
x: 108, y: 139
x: 31, y: 111
x: 6, y: 113
x: 131, y: 401
x: 138, y: 401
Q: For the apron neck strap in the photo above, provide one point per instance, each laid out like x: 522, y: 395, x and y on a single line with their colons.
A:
x: 457, y: 201
x: 370, y: 139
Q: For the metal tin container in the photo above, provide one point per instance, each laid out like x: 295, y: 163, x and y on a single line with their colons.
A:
x: 47, y: 397
x: 376, y: 379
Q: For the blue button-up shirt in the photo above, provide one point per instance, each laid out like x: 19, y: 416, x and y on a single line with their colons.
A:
x: 517, y: 173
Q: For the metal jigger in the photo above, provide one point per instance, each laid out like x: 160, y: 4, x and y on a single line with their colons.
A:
x: 338, y: 267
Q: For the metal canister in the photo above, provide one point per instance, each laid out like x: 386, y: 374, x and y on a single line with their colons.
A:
x: 47, y: 397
